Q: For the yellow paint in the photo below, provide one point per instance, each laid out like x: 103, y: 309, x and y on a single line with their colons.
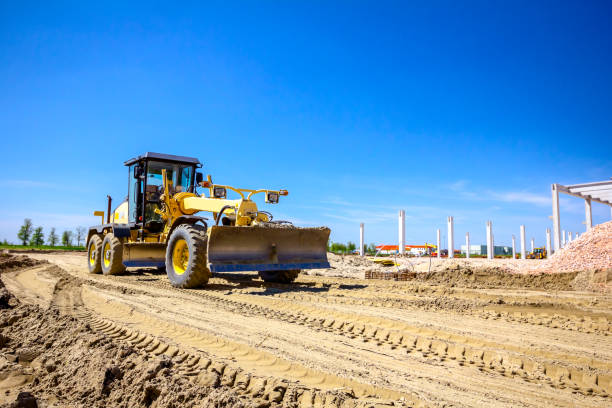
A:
x: 180, y: 257
x: 121, y: 214
x: 99, y: 214
x: 92, y: 255
x: 106, y: 251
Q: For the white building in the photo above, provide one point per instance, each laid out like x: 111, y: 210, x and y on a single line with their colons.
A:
x: 482, y: 250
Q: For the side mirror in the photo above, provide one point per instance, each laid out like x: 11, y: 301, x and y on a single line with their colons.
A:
x: 271, y: 197
x: 199, y: 177
x: 138, y: 171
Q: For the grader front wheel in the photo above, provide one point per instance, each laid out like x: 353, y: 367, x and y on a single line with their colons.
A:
x: 186, y: 257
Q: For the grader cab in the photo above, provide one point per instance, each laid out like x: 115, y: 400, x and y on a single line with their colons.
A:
x: 159, y: 225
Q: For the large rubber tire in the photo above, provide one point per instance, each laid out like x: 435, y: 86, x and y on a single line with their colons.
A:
x: 279, y: 276
x: 112, y: 255
x: 94, y: 254
x: 186, y: 257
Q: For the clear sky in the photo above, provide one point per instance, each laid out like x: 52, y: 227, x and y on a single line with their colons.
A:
x: 359, y: 109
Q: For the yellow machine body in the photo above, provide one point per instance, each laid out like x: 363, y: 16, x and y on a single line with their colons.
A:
x: 246, y: 240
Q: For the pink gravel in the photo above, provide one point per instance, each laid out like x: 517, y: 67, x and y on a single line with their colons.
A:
x: 591, y: 251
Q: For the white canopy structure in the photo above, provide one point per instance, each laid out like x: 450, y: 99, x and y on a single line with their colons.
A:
x: 599, y: 192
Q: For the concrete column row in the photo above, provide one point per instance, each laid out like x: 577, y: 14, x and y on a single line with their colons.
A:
x: 451, y: 246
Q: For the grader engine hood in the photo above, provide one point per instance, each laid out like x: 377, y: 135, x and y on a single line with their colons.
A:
x: 261, y: 248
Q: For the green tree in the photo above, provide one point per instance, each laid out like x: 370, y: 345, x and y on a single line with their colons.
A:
x: 67, y: 238
x: 351, y: 246
x: 52, y: 238
x: 25, y: 231
x: 338, y: 248
x: 37, y: 237
x: 372, y: 248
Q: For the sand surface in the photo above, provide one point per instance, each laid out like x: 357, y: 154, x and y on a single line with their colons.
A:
x: 462, y: 337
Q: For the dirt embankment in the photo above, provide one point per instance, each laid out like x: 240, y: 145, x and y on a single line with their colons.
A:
x: 63, y: 362
x: 10, y: 262
x: 474, y: 273
x: 458, y: 337
x: 495, y: 278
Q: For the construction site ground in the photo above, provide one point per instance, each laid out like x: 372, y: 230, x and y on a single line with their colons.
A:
x: 457, y: 336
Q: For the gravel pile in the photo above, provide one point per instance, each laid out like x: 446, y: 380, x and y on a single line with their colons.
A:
x: 591, y: 251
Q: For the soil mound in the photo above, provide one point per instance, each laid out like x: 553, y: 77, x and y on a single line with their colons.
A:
x: 497, y: 278
x: 59, y: 359
x: 591, y: 251
x: 10, y: 262
x: 590, y: 255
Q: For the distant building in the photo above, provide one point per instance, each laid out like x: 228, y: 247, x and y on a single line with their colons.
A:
x: 417, y: 250
x: 482, y: 250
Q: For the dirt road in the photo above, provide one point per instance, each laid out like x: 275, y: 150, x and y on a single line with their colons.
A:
x: 332, y: 341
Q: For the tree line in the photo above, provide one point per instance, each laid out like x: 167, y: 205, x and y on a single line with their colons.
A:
x: 349, y: 247
x: 34, y: 236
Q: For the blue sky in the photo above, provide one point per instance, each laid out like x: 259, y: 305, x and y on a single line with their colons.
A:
x: 359, y: 109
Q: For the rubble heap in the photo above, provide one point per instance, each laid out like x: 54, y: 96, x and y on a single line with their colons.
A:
x: 591, y: 251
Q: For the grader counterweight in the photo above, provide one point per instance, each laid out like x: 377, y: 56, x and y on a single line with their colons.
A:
x: 157, y: 226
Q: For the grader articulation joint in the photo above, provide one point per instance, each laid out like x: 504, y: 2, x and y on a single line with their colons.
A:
x: 157, y: 226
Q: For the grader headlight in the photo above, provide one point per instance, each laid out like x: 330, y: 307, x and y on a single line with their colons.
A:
x: 219, y: 192
x: 271, y: 197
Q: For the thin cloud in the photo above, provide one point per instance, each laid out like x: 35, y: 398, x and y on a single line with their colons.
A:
x: 458, y: 185
x: 525, y: 197
x: 520, y: 197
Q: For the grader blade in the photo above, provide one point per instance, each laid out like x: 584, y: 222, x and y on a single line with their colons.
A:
x: 266, y: 248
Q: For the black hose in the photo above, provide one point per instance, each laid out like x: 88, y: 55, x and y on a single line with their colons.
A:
x: 225, y: 207
x: 270, y: 217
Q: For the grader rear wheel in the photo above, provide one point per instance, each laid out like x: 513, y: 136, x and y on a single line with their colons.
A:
x: 112, y: 255
x: 94, y: 254
x: 186, y: 257
x: 279, y: 276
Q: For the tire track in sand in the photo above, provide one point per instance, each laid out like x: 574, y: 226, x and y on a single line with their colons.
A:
x: 248, y: 358
x: 583, y: 375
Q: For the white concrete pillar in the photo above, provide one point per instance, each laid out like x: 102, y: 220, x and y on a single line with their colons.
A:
x: 547, y: 242
x: 563, y: 240
x: 438, y: 244
x: 588, y: 214
x: 523, y: 254
x: 556, y: 217
x: 513, y: 247
x: 532, y: 245
x: 451, y: 238
x: 361, y: 240
x: 570, y: 237
x: 402, y: 232
x: 467, y: 244
x: 490, y: 250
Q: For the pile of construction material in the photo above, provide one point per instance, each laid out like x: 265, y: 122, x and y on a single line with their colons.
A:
x: 592, y: 251
x: 390, y: 275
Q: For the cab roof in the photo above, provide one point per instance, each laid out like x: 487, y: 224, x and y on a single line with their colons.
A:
x: 162, y: 157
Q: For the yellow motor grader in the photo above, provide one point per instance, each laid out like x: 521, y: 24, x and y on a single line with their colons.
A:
x: 157, y: 226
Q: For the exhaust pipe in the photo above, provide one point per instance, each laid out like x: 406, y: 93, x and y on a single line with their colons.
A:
x: 108, y: 211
